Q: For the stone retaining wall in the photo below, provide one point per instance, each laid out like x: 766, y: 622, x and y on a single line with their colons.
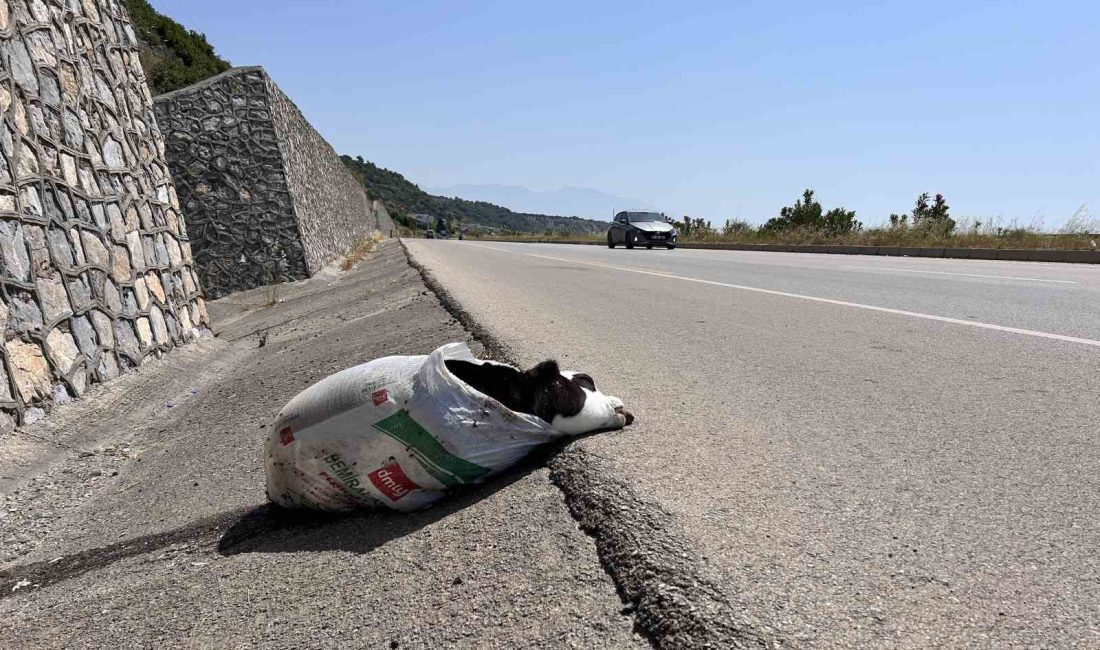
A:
x: 267, y: 199
x: 95, y: 264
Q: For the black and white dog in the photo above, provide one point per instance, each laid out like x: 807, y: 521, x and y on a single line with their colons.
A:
x: 567, y: 401
x: 400, y: 431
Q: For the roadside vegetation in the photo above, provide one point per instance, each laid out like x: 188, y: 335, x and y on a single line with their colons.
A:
x: 928, y: 224
x: 359, y: 250
x: 173, y: 56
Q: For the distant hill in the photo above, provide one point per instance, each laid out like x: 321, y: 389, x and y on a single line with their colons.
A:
x: 571, y: 201
x: 405, y: 199
x: 172, y: 55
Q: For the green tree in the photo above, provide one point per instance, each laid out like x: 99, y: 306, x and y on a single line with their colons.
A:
x: 899, y: 221
x: 934, y: 218
x: 701, y: 228
x: 807, y: 214
x: 839, y: 221
x: 804, y: 214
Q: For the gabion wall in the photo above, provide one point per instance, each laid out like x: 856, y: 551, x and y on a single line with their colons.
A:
x: 95, y: 265
x: 267, y: 199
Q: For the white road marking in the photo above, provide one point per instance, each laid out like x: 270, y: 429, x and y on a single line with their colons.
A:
x: 967, y: 275
x: 828, y: 301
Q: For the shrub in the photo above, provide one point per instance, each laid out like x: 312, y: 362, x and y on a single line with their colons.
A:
x: 736, y: 227
x: 806, y: 214
x: 839, y: 221
x: 172, y: 55
x: 696, y: 228
x: 933, y: 219
x: 899, y: 221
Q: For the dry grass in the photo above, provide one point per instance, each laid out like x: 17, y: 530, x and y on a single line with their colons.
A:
x: 360, y: 250
x: 272, y: 295
x: 1010, y: 238
x: 1082, y: 232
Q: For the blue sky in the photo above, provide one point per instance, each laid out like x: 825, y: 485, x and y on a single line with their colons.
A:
x: 713, y: 109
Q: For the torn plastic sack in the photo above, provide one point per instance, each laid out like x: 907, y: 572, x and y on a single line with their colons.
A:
x: 395, y: 432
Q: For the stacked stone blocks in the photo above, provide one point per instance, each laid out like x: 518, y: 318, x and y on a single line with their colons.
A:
x: 95, y: 264
x: 266, y: 197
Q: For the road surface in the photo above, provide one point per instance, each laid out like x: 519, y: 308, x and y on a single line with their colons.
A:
x: 871, y: 451
x: 136, y: 518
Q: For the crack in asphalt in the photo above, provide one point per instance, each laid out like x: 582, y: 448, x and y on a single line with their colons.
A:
x: 45, y: 573
x: 226, y: 532
x: 667, y: 588
x: 658, y: 575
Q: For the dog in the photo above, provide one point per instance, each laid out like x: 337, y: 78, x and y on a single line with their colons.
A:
x: 567, y: 401
x: 400, y: 431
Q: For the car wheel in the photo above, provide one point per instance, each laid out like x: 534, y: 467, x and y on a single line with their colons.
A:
x: 610, y: 243
x: 672, y: 247
x: 649, y: 247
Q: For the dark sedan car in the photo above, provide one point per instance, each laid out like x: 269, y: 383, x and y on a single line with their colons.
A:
x: 647, y: 229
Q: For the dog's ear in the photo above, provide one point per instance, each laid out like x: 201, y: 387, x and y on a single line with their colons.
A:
x: 582, y: 379
x: 544, y: 373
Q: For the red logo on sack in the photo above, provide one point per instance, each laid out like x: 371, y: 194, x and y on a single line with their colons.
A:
x: 286, y: 436
x: 392, y: 481
x: 380, y: 397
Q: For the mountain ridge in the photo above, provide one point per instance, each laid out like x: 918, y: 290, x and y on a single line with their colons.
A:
x: 404, y: 199
x: 174, y: 57
x: 569, y: 200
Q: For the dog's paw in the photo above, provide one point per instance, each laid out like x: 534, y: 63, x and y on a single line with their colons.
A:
x: 623, y: 418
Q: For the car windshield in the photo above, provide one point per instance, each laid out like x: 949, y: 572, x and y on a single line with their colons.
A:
x: 644, y: 217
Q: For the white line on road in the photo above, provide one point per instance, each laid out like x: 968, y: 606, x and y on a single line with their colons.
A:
x: 967, y: 275
x: 828, y: 301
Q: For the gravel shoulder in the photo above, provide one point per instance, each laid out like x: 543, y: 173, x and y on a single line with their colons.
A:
x: 137, y: 517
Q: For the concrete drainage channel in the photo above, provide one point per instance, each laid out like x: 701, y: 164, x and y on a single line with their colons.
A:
x: 675, y: 601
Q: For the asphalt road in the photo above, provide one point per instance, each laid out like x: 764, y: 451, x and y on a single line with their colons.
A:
x: 871, y: 452
x: 136, y: 518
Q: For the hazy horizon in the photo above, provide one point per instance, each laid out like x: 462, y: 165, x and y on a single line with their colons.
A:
x: 710, y: 109
x: 569, y: 201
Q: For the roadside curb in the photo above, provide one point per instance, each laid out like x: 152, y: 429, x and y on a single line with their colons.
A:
x: 1007, y: 254
x: 661, y: 578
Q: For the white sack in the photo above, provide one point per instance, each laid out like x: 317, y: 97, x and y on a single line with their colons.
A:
x: 396, y: 432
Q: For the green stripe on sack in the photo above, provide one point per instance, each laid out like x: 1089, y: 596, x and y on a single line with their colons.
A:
x: 448, y: 469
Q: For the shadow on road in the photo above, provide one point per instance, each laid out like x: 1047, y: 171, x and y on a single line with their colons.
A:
x: 271, y: 529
